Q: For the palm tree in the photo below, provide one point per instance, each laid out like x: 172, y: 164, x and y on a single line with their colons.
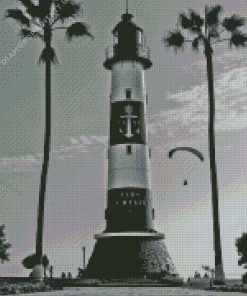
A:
x: 39, y: 21
x: 207, y: 31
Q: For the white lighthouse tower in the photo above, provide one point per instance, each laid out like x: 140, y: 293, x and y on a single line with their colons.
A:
x: 129, y: 246
x: 129, y: 204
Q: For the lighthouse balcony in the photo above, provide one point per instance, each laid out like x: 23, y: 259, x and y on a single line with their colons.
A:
x: 142, y: 234
x: 142, y: 51
x: 115, y: 54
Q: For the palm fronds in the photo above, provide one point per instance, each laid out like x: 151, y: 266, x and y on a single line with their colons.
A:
x: 34, y: 12
x: 232, y: 23
x: 45, y: 5
x: 175, y: 39
x: 195, y: 43
x: 44, y: 8
x: 67, y: 10
x: 197, y: 21
x: 212, y: 15
x: 78, y: 29
x: 48, y: 54
x: 24, y: 33
x: 186, y: 23
x: 27, y: 3
x: 238, y: 39
x: 193, y: 23
x: 38, y: 11
x: 18, y: 15
x: 31, y: 9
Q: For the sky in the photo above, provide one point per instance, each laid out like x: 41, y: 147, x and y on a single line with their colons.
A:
x: 177, y: 115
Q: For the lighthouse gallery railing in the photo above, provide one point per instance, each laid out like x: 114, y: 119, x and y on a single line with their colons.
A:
x: 142, y: 51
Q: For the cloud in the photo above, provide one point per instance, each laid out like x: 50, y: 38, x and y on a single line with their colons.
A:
x: 222, y: 62
x: 80, y: 144
x: 23, y: 161
x: 191, y: 118
x: 33, y: 163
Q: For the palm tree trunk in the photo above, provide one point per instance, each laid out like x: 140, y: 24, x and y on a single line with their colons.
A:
x: 40, y: 223
x: 219, y: 273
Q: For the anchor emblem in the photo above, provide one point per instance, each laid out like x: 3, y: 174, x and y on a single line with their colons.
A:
x: 128, y: 116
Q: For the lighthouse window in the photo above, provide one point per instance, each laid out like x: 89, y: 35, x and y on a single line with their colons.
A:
x: 139, y: 37
x: 115, y: 39
x: 128, y: 93
x: 128, y: 149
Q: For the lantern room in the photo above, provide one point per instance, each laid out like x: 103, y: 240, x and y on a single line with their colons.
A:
x: 128, y: 44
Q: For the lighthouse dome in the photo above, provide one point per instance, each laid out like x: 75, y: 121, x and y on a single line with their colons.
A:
x: 126, y: 24
x: 128, y: 44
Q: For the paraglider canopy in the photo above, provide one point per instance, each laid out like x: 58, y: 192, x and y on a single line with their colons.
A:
x: 189, y: 149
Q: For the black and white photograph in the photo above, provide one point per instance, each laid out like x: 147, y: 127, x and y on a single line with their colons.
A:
x: 123, y: 139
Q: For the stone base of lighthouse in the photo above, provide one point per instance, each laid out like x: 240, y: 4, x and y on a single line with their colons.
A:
x: 123, y: 257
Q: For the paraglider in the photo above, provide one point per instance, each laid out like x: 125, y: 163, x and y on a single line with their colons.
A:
x: 189, y: 149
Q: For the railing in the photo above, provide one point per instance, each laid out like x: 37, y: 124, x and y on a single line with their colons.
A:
x: 142, y: 51
x: 109, y: 52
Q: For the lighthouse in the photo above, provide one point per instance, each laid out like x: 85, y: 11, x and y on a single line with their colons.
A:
x: 130, y: 246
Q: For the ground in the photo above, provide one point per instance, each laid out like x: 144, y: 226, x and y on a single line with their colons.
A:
x: 135, y: 291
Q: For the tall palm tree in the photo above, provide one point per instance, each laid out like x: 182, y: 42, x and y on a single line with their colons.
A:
x: 206, y: 31
x: 39, y: 21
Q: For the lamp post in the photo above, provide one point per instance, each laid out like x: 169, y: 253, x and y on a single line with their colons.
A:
x: 84, y: 256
